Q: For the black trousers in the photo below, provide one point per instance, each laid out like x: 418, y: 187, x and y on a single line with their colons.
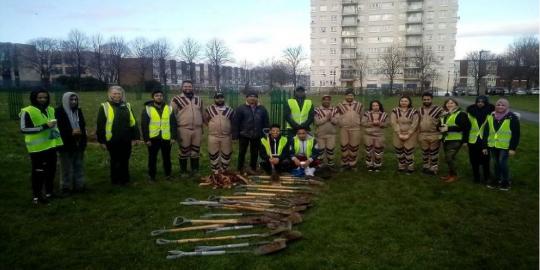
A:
x: 119, y: 153
x: 254, y: 145
x: 478, y: 159
x: 153, y: 149
x: 283, y: 166
x: 43, y: 171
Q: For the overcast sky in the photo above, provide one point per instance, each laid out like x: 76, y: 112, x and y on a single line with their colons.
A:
x: 253, y: 29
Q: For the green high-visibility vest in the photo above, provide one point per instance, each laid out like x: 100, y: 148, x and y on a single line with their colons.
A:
x: 476, y: 130
x: 309, y: 146
x: 299, y: 115
x: 109, y: 114
x: 159, y: 123
x: 500, y: 138
x: 451, y: 122
x: 45, y: 139
x: 281, y: 145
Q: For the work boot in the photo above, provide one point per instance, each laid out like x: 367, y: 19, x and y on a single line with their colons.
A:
x: 183, y: 168
x: 451, y: 178
x: 195, y: 168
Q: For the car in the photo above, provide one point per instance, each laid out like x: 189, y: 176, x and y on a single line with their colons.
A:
x: 496, y: 91
x: 534, y: 91
x: 520, y: 92
x: 472, y: 92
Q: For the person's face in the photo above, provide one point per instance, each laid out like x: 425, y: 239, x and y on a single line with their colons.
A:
x: 73, y: 101
x: 404, y: 103
x: 375, y: 107
x: 349, y: 98
x: 302, y: 134
x: 300, y: 94
x: 219, y: 101
x: 480, y: 104
x: 500, y: 107
x: 274, y: 132
x: 116, y: 96
x: 427, y: 101
x: 326, y: 102
x: 42, y: 98
x: 158, y: 98
x: 252, y: 100
x: 187, y: 88
x: 450, y: 105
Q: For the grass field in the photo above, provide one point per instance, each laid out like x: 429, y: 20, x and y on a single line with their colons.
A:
x: 362, y: 221
x: 526, y: 103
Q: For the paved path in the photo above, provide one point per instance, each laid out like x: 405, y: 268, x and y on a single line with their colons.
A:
x: 524, y: 115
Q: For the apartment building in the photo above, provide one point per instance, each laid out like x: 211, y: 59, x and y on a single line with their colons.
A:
x: 347, y: 32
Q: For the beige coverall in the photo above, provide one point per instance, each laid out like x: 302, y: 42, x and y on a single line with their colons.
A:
x: 218, y: 119
x: 188, y: 114
x: 405, y: 122
x: 374, y: 137
x: 326, y: 123
x: 430, y: 137
x: 350, y: 115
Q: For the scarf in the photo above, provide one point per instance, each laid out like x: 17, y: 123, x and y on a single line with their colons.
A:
x: 501, y: 115
x: 72, y: 114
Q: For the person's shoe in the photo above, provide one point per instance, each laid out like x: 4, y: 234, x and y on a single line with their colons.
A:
x: 249, y: 171
x: 451, y: 178
x: 48, y: 196
x: 409, y: 172
x: 376, y: 170
x: 504, y: 187
x: 370, y: 169
x: 491, y: 186
x: 35, y: 201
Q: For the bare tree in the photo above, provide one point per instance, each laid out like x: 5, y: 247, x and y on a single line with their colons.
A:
x: 217, y: 54
x: 361, y: 66
x: 425, y: 64
x: 294, y: 57
x: 391, y: 64
x: 116, y: 49
x: 142, y: 50
x: 161, y: 50
x: 476, y: 61
x: 97, y: 62
x: 527, y: 55
x: 190, y: 51
x: 47, y: 51
x: 73, y: 50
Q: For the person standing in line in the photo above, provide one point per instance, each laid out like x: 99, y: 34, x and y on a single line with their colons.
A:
x: 72, y: 128
x: 502, y: 134
x: 349, y: 113
x: 478, y: 113
x: 374, y: 121
x: 158, y: 127
x: 299, y: 111
x: 249, y: 121
x: 188, y: 110
x: 117, y: 132
x: 404, y: 120
x: 429, y: 135
x: 326, y: 123
x: 42, y: 138
x: 455, y: 128
x: 218, y: 117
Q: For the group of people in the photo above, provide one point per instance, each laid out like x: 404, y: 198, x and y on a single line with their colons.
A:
x: 489, y: 131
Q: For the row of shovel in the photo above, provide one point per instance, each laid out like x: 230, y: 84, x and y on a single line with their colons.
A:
x: 272, y: 207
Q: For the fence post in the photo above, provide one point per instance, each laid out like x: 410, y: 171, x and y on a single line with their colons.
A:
x: 14, y: 103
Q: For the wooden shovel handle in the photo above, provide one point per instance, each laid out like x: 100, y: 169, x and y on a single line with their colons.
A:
x: 195, y: 228
x: 214, y: 221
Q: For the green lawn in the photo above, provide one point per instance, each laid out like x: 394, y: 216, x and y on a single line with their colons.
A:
x: 525, y: 103
x: 362, y: 221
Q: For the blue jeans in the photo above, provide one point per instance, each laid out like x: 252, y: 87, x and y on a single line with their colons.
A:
x: 72, y: 169
x: 500, y: 162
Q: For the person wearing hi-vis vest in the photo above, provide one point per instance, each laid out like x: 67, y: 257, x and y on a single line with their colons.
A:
x: 501, y: 138
x: 275, y: 151
x: 455, y: 128
x: 188, y: 109
x: 304, y: 153
x: 158, y: 128
x: 117, y: 131
x: 218, y: 117
x: 42, y: 137
x: 349, y: 114
x: 299, y: 111
x: 478, y: 113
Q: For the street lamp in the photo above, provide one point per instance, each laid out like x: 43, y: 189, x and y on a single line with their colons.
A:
x: 335, y: 77
x: 448, y: 83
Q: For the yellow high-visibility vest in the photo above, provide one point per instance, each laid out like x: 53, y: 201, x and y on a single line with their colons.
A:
x: 500, y: 138
x: 281, y: 145
x: 109, y: 114
x: 451, y: 122
x: 476, y: 131
x: 45, y: 139
x: 309, y: 146
x: 159, y: 124
x: 299, y: 115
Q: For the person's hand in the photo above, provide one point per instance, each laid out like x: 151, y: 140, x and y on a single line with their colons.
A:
x: 376, y: 123
x: 443, y: 128
x: 76, y: 132
x: 485, y: 152
x: 306, y: 164
x: 173, y: 141
x: 274, y: 161
x: 134, y: 142
x: 297, y: 162
x: 103, y: 146
x: 149, y: 143
x: 512, y: 152
x: 51, y: 123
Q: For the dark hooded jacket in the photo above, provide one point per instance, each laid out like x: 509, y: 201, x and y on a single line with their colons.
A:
x: 71, y: 143
x: 481, y: 113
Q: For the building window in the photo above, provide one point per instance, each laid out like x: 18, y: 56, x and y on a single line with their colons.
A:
x: 323, y: 29
x: 387, y: 17
x: 333, y: 40
x: 334, y: 18
x: 442, y: 26
x: 333, y: 29
x: 332, y: 51
x: 323, y: 8
x: 373, y: 18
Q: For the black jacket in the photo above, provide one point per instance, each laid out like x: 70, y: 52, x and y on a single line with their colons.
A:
x: 285, y: 154
x: 121, y: 130
x: 462, y: 125
x: 71, y: 142
x: 514, y: 127
x: 145, y: 121
x: 249, y: 123
x: 294, y: 125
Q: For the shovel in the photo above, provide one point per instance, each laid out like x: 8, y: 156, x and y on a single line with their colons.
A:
x: 269, y: 248
x: 186, y: 229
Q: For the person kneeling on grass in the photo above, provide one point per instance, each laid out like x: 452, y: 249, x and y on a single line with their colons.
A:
x: 275, y: 151
x: 502, y: 132
x: 304, y: 153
